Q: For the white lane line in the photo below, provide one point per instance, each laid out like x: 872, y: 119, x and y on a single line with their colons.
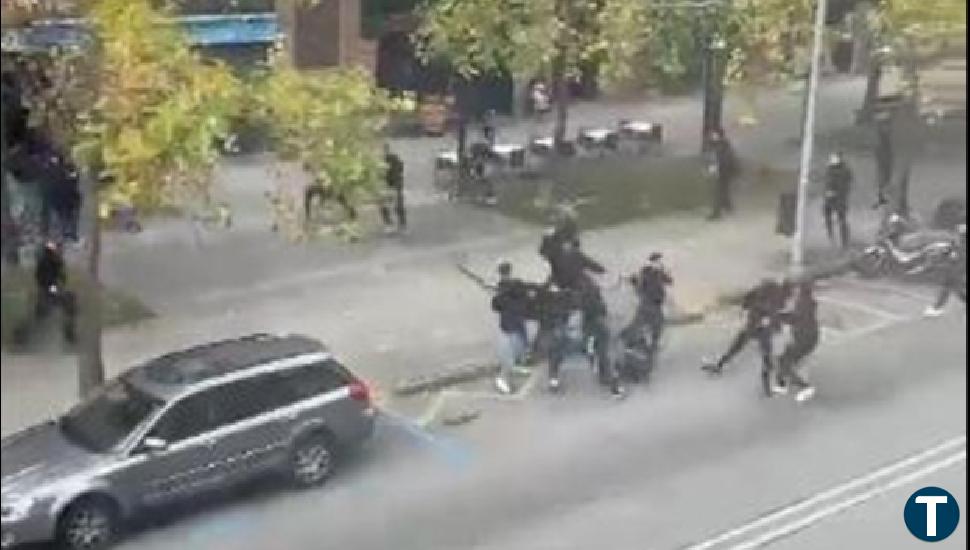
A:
x: 851, y: 304
x: 801, y: 524
x: 434, y: 409
x: 915, y: 296
x: 831, y: 493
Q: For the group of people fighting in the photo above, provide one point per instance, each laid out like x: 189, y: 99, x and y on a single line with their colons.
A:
x: 768, y: 308
x: 571, y: 313
x: 572, y: 317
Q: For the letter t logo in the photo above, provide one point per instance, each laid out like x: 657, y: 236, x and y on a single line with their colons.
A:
x: 931, y: 502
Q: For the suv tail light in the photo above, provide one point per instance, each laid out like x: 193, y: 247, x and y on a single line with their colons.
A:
x: 359, y: 391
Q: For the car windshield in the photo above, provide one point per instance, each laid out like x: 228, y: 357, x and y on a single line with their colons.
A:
x: 103, y: 421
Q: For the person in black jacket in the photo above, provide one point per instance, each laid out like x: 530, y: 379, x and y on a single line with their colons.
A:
x: 566, y: 229
x: 723, y: 168
x: 651, y: 286
x: 838, y: 182
x: 762, y: 306
x: 596, y: 330
x: 954, y: 275
x: 395, y: 192
x: 884, y: 159
x: 802, y: 317
x: 570, y: 268
x: 511, y: 303
x: 50, y: 277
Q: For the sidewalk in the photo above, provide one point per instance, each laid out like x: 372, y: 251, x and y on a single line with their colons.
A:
x: 395, y: 309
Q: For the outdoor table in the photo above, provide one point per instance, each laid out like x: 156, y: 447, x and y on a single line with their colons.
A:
x: 645, y: 135
x: 509, y: 154
x: 598, y: 139
x: 446, y: 172
x: 542, y: 146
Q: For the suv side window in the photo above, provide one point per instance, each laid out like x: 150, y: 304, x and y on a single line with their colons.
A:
x: 187, y: 418
x: 312, y: 380
x: 244, y: 399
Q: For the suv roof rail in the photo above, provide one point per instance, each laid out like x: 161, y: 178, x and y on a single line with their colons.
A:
x: 226, y: 356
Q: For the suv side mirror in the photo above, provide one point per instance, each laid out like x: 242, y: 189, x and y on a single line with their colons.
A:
x: 153, y: 445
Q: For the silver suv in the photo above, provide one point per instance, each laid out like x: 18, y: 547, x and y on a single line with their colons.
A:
x: 191, y: 421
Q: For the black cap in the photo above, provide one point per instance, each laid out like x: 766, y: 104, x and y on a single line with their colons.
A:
x: 656, y: 257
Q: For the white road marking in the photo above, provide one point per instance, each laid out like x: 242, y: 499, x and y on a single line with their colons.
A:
x: 900, y: 481
x: 859, y: 306
x: 851, y: 485
x: 915, y: 296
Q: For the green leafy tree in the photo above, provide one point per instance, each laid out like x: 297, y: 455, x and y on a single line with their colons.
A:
x: 330, y: 122
x: 559, y: 38
x: 143, y: 116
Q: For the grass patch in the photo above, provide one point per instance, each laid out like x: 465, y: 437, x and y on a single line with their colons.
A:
x: 19, y: 296
x: 610, y: 192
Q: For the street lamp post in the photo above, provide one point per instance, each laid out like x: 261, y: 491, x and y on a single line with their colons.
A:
x: 808, y: 142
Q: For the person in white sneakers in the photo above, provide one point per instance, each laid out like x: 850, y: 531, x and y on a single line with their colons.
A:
x: 803, y: 319
x: 954, y: 275
x: 511, y: 303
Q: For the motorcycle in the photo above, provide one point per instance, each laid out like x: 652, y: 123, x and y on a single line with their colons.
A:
x: 903, y: 248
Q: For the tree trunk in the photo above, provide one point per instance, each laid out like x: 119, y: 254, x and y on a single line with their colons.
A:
x: 90, y: 373
x: 561, y: 97
x: 861, y: 39
x: 872, y: 90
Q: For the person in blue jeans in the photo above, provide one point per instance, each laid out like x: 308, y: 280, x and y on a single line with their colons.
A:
x: 510, y: 302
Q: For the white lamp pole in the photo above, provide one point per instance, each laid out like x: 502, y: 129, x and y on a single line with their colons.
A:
x: 808, y: 141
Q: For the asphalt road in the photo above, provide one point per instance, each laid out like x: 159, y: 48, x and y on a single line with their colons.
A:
x: 687, y: 462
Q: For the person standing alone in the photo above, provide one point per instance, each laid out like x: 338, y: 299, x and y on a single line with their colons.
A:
x: 723, y: 168
x: 395, y: 192
x: 838, y: 182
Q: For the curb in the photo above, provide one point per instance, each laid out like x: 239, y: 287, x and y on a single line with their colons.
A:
x: 437, y: 381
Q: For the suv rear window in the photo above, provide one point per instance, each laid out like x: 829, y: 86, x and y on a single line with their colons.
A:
x: 312, y: 380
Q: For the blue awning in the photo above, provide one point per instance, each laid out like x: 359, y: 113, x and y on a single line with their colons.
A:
x: 203, y: 30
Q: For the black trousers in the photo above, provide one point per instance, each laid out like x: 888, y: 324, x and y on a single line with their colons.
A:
x: 559, y: 346
x: 884, y: 175
x: 762, y: 335
x: 63, y: 300
x: 398, y: 201
x: 953, y: 283
x: 789, y: 360
x: 651, y: 316
x: 836, y: 211
x: 722, y: 197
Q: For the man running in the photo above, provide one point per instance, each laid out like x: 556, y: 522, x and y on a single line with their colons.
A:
x: 762, y: 305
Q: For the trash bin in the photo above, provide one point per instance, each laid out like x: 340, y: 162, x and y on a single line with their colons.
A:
x: 785, y: 224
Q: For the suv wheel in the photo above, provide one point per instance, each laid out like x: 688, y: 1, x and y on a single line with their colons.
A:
x: 88, y: 524
x: 312, y: 460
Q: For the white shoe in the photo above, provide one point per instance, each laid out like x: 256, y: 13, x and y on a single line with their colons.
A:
x: 933, y: 311
x: 502, y: 385
x: 805, y: 394
x: 778, y: 389
x: 553, y: 384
